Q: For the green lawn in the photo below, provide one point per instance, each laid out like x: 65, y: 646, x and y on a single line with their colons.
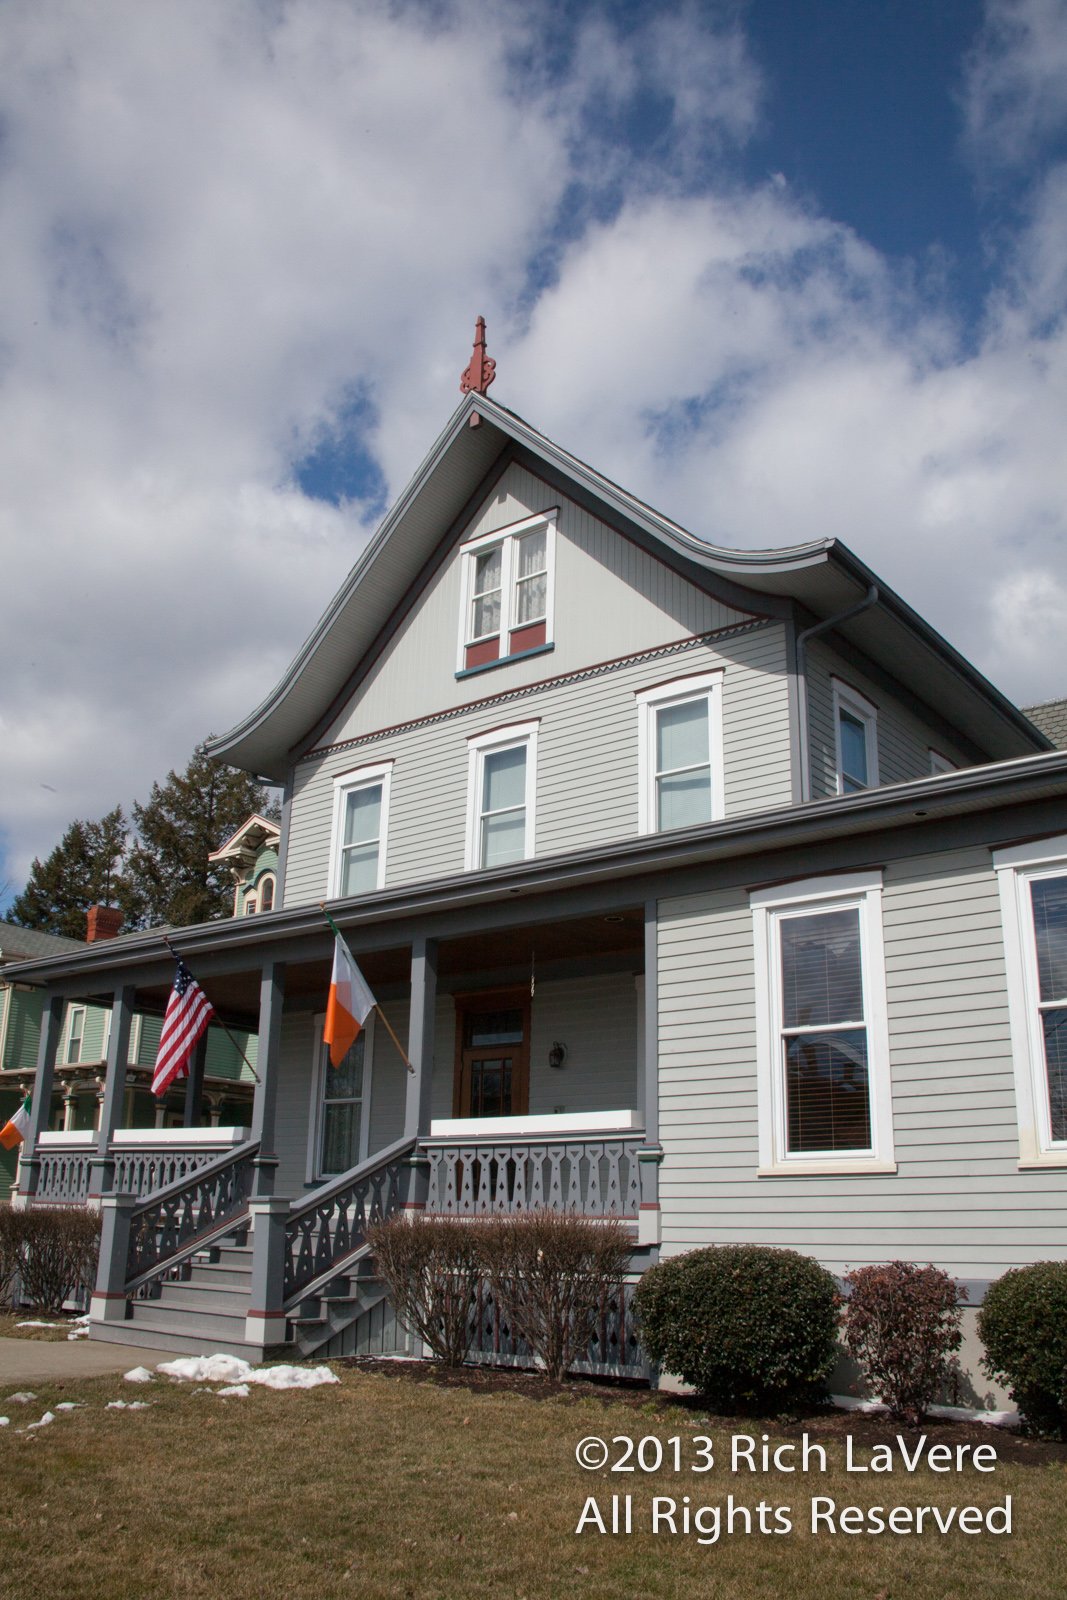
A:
x: 382, y: 1487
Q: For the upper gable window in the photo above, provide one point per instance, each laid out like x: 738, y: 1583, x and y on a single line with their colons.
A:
x: 680, y: 752
x: 856, y: 736
x: 360, y: 825
x: 507, y: 593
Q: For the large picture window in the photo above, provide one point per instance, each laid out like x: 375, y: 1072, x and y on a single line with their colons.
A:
x: 822, y: 1039
x: 680, y: 753
x: 1033, y: 888
x: 502, y: 785
x: 360, y: 824
x: 507, y: 593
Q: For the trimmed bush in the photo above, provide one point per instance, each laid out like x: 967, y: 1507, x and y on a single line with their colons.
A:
x: 902, y: 1325
x: 551, y: 1274
x: 1023, y: 1325
x: 432, y: 1269
x: 58, y: 1254
x: 751, y: 1328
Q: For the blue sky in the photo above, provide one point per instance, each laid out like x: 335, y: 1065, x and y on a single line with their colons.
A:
x: 785, y: 268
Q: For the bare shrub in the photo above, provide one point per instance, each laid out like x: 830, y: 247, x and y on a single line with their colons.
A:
x: 10, y: 1249
x: 58, y: 1254
x: 432, y: 1269
x: 550, y: 1274
x: 902, y: 1324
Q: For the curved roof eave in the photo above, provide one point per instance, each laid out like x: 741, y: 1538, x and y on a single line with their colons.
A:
x: 823, y: 574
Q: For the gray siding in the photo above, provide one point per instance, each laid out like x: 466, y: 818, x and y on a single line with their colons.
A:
x: 587, y: 763
x: 957, y: 1198
x: 904, y: 741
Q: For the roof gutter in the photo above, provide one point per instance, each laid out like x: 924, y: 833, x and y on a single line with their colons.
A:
x: 801, y: 665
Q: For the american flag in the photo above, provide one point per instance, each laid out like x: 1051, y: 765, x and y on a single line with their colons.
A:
x: 188, y: 1013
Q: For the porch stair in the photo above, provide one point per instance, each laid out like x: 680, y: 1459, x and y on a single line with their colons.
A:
x: 334, y: 1320
x: 202, y: 1311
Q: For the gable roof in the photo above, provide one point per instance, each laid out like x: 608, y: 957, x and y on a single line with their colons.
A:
x: 823, y: 575
x: 243, y: 846
x: 1051, y: 717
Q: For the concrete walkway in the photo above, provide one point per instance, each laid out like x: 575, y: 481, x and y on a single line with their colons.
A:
x: 24, y: 1361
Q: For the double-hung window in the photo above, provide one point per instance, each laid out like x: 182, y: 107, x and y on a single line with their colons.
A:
x: 1033, y: 894
x: 680, y: 752
x: 822, y: 1039
x: 360, y: 828
x: 75, y: 1034
x: 507, y: 592
x: 502, y: 785
x: 856, y: 736
x: 340, y: 1125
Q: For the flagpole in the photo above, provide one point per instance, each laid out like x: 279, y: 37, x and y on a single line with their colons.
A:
x: 387, y: 1025
x: 220, y: 1022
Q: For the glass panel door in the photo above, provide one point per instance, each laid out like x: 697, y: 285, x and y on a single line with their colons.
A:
x: 492, y: 1069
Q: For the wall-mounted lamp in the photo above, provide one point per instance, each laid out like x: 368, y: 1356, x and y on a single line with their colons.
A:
x: 557, y: 1055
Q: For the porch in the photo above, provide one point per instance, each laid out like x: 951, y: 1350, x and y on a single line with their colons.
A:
x: 527, y: 1088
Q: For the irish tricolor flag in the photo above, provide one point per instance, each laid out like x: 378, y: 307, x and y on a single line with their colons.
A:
x: 349, y: 1005
x: 14, y: 1131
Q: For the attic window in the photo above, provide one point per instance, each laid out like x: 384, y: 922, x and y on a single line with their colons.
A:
x: 507, y: 584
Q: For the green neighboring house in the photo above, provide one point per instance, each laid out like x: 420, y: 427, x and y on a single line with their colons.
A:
x: 82, y: 1055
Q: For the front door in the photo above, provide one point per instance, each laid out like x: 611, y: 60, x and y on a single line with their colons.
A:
x: 492, y: 1054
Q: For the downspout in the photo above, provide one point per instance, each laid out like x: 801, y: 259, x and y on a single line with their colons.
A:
x: 869, y: 599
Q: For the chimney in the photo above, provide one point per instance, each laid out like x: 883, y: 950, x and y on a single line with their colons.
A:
x: 104, y: 922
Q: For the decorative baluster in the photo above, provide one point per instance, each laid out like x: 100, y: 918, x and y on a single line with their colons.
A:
x: 574, y: 1187
x: 554, y: 1198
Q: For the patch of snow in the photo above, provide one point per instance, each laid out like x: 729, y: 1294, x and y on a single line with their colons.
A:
x: 292, y: 1377
x: 207, y: 1369
x: 48, y: 1417
x: 22, y: 1398
x: 239, y: 1391
x: 79, y: 1333
x: 4, y: 1422
x: 138, y: 1375
x: 70, y: 1405
x: 40, y: 1324
x: 992, y: 1419
x: 127, y: 1405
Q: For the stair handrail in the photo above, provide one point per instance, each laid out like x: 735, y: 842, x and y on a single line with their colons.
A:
x: 319, y: 1235
x: 169, y: 1225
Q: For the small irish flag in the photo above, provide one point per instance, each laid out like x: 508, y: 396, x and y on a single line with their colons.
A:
x: 349, y: 1005
x: 13, y: 1132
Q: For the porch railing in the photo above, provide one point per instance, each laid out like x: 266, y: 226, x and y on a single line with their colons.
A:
x: 591, y: 1177
x: 174, y: 1222
x: 331, y: 1224
x: 144, y: 1160
x: 63, y: 1173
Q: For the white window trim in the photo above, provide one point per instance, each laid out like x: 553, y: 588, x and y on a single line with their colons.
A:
x: 1017, y: 866
x: 506, y: 538
x: 479, y: 745
x: 831, y: 893
x: 74, y: 1011
x: 939, y: 763
x: 316, y: 1119
x: 846, y: 698
x: 343, y: 786
x: 699, y: 685
x: 133, y: 1044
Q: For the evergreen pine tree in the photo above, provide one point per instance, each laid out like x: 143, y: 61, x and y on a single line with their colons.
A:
x: 168, y: 876
x: 83, y: 870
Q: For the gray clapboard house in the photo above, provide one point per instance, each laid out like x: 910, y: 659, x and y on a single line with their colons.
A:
x: 704, y: 887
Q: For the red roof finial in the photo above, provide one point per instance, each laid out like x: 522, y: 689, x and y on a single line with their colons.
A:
x: 482, y: 369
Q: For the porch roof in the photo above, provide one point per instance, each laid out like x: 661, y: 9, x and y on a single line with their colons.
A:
x: 485, y: 917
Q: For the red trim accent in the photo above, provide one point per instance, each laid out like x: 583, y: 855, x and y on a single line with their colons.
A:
x: 528, y: 638
x: 501, y: 727
x: 508, y: 529
x: 687, y: 677
x: 486, y: 650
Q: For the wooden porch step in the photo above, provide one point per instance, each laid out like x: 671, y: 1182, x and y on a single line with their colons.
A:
x: 185, y: 1344
x: 188, y: 1321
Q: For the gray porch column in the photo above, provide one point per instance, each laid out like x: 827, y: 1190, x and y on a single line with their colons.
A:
x: 194, y: 1086
x: 421, y: 1018
x: 265, y: 1100
x: 30, y: 1166
x: 118, y: 1050
x: 651, y: 1153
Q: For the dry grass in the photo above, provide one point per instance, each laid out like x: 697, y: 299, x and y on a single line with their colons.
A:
x: 9, y: 1325
x: 381, y: 1487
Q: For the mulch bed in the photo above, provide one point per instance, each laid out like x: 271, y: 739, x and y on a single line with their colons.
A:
x: 825, y: 1425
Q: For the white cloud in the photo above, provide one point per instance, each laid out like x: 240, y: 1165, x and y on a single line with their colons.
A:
x: 1015, y: 89
x: 219, y: 220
